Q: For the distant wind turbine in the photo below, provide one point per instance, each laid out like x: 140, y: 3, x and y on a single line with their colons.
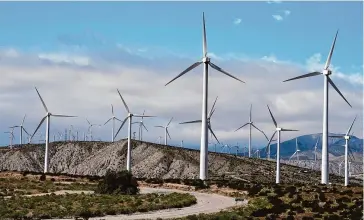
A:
x: 204, y: 127
x: 11, y: 136
x: 113, y: 118
x: 251, y: 123
x: 325, y: 132
x: 48, y: 117
x: 21, y: 126
x: 347, y: 148
x: 165, y: 131
x: 296, y: 152
x: 130, y: 117
x: 278, y: 131
x: 90, y: 129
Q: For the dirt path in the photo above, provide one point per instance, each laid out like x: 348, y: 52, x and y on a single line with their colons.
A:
x: 206, y: 203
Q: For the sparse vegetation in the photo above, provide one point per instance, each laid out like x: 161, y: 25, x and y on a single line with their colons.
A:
x: 121, y: 182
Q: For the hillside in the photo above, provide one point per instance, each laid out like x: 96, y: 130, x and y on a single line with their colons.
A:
x: 306, y: 144
x: 149, y: 160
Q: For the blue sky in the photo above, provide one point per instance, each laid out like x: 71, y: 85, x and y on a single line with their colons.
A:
x: 121, y: 33
x: 309, y: 28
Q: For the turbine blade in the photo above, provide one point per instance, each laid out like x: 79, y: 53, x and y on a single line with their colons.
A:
x: 351, y: 126
x: 304, y: 76
x: 242, y: 126
x: 41, y: 122
x: 337, y: 90
x: 213, y: 134
x: 112, y: 110
x: 25, y: 131
x: 88, y: 121
x: 144, y: 116
x: 68, y: 116
x: 190, y: 122
x: 159, y: 126
x: 328, y: 61
x: 168, y: 133
x: 224, y: 72
x: 260, y: 131
x: 23, y: 120
x: 351, y: 152
x: 126, y: 106
x: 250, y: 116
x: 107, y: 121
x: 169, y: 121
x: 212, y: 112
x: 283, y: 129
x: 122, y: 124
x: 204, y: 41
x: 270, y: 140
x: 212, y: 108
x: 144, y: 127
x: 40, y: 97
x: 336, y: 136
x: 185, y: 71
x: 271, y: 115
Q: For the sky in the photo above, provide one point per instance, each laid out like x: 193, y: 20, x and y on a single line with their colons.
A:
x: 79, y: 53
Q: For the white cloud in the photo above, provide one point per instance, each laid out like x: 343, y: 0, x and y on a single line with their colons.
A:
x: 65, y: 58
x: 287, y: 12
x: 274, y: 1
x: 237, y: 21
x: 277, y: 17
x: 67, y: 89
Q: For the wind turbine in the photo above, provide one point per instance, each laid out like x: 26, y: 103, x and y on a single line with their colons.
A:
x: 204, y: 138
x: 208, y: 120
x: 347, y: 148
x: 130, y: 117
x: 316, y: 149
x: 90, y: 128
x: 268, y: 153
x: 21, y: 126
x: 48, y: 117
x: 326, y: 72
x: 11, y: 136
x: 278, y: 131
x: 165, y: 131
x: 113, y: 118
x: 296, y: 152
x: 251, y: 123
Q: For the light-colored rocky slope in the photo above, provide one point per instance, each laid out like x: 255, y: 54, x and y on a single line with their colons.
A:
x: 149, y: 160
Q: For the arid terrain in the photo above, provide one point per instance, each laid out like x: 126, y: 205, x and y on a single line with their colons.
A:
x: 149, y: 160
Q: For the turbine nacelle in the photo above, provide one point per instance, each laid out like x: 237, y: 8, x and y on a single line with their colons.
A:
x: 278, y: 129
x: 327, y: 72
x: 346, y: 137
x: 206, y: 60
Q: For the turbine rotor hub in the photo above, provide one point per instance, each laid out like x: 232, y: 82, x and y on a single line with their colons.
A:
x: 326, y: 72
x: 206, y: 60
x: 278, y: 129
x: 347, y: 137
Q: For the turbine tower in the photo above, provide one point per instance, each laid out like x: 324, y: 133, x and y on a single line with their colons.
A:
x: 347, y: 148
x: 165, y: 131
x: 21, y: 126
x: 90, y: 129
x: 130, y: 117
x: 251, y: 123
x: 278, y: 131
x: 326, y: 72
x: 11, y: 136
x: 208, y: 120
x: 113, y: 118
x: 204, y: 139
x: 48, y: 117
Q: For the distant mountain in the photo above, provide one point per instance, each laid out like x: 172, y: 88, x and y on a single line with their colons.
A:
x: 306, y: 144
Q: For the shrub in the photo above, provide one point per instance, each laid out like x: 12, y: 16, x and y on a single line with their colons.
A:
x: 118, y: 183
x: 42, y: 177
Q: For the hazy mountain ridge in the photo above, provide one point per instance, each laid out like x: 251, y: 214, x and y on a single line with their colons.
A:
x: 149, y: 160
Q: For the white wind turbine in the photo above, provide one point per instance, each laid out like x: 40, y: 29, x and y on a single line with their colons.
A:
x: 204, y: 138
x: 90, y: 128
x: 278, y: 131
x: 141, y: 126
x: 113, y: 118
x: 48, y: 117
x: 208, y: 120
x: 268, y: 153
x: 257, y: 152
x: 347, y: 148
x: 325, y: 132
x: 11, y: 136
x: 316, y: 149
x: 165, y: 131
x: 296, y: 152
x: 130, y: 117
x: 251, y: 123
x: 21, y: 126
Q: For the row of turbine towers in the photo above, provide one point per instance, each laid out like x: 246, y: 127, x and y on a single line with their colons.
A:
x: 205, y: 120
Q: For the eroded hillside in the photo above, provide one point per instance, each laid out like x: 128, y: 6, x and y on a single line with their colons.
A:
x: 149, y: 160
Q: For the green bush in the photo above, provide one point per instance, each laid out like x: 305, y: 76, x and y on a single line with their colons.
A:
x: 121, y: 182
